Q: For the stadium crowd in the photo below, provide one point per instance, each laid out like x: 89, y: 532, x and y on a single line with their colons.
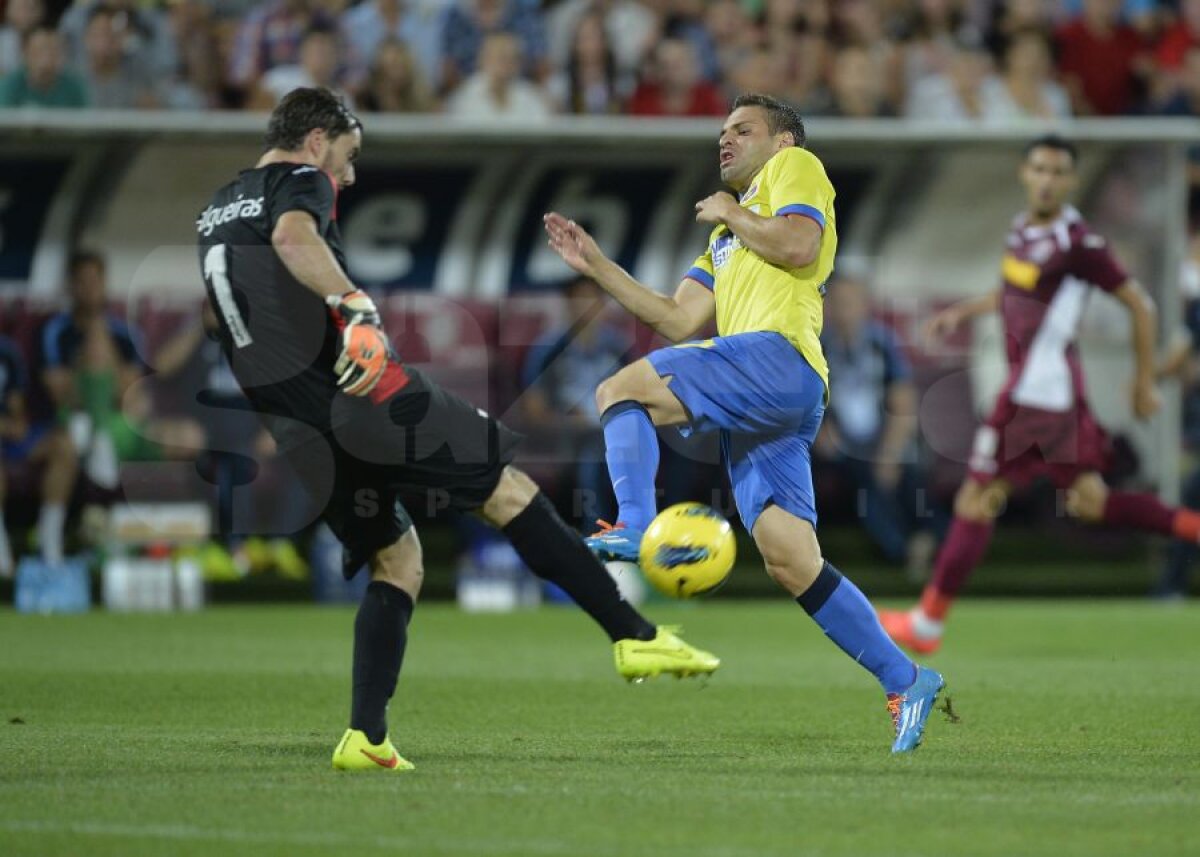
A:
x: 522, y: 60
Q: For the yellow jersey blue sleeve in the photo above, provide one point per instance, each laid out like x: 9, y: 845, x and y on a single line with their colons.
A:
x: 702, y: 270
x: 797, y: 184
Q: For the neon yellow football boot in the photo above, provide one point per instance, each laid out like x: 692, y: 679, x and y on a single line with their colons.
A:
x: 355, y: 753
x: 666, y: 653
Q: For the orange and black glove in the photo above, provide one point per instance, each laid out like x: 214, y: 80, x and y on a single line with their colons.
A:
x: 365, y: 349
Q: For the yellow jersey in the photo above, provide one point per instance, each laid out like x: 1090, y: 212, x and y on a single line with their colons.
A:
x: 754, y: 294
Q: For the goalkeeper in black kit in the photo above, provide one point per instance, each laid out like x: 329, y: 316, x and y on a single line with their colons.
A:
x: 359, y: 427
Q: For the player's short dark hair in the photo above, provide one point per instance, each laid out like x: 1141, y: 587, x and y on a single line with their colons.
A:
x: 306, y: 109
x: 82, y: 258
x: 1051, y: 141
x: 781, y: 116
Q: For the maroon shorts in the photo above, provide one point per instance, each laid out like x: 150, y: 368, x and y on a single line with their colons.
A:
x: 1019, y: 443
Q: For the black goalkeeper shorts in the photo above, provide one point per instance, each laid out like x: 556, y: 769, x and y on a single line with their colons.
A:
x: 422, y: 441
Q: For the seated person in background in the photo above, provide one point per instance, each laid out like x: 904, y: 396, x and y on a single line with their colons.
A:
x: 238, y: 457
x: 561, y: 373
x: 871, y: 424
x: 89, y: 367
x: 40, y: 445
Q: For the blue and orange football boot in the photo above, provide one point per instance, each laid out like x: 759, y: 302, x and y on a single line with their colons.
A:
x: 912, y: 708
x: 615, y: 542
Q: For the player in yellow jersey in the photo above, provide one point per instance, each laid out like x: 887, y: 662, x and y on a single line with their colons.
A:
x: 762, y: 382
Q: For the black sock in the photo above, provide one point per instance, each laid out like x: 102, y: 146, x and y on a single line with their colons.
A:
x: 380, y: 635
x: 554, y: 552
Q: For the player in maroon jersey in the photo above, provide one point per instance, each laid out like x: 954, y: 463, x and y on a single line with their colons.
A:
x: 1041, y: 424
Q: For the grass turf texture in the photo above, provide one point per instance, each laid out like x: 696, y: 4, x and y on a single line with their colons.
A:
x: 211, y: 734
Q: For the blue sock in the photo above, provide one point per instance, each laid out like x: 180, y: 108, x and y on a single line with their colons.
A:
x: 631, y: 450
x: 847, y: 618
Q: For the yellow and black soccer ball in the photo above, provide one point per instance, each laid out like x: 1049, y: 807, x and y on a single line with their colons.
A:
x: 688, y: 550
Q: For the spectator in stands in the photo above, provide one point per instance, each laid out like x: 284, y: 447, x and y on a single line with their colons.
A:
x: 760, y: 71
x: 857, y: 84
x: 198, y: 81
x: 630, y: 26
x: 317, y: 67
x: 938, y: 28
x: 395, y: 83
x: 20, y: 17
x: 1182, y: 98
x: 1141, y: 15
x: 1101, y: 59
x: 43, y: 80
x: 271, y: 36
x: 561, y: 373
x: 417, y: 24
x: 860, y: 24
x: 497, y: 92
x: 676, y: 88
x: 39, y: 445
x: 113, y: 78
x: 1026, y: 87
x: 590, y: 83
x: 685, y: 20
x: 1179, y: 38
x: 1017, y: 16
x: 736, y: 40
x: 468, y: 25
x: 143, y: 30
x: 799, y: 33
x: 955, y: 94
x: 870, y: 428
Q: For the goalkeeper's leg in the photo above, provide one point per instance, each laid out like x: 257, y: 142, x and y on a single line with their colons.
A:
x: 553, y: 551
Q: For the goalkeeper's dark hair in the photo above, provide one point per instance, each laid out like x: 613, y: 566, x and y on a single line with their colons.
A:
x: 1051, y: 141
x: 307, y: 109
x: 781, y: 116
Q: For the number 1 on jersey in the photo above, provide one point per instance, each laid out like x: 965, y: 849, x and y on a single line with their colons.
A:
x: 216, y: 271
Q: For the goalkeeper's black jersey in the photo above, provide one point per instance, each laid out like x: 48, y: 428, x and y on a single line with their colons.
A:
x: 278, y: 335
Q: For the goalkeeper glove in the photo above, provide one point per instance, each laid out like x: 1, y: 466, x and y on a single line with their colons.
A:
x: 365, y: 351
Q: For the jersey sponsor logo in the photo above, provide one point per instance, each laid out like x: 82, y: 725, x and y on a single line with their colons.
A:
x: 722, y: 249
x: 240, y: 208
x: 1023, y: 275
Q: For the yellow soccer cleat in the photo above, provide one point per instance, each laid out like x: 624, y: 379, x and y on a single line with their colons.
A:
x: 666, y: 653
x: 355, y: 753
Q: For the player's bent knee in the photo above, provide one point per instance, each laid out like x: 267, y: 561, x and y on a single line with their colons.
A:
x: 401, y: 564
x: 513, y: 493
x: 796, y: 574
x: 979, y: 503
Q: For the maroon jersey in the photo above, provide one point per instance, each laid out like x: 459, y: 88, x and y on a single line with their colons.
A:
x: 1048, y: 271
x: 1041, y: 424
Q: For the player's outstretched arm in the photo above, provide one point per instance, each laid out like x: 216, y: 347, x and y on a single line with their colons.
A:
x: 1142, y: 314
x: 952, y: 317
x: 677, y: 317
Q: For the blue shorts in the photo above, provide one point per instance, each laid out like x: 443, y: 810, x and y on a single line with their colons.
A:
x: 767, y: 402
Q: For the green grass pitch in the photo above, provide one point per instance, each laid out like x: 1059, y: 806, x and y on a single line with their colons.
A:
x: 211, y: 734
